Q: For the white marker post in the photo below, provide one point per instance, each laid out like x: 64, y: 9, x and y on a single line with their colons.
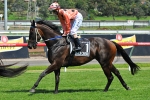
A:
x: 1, y: 16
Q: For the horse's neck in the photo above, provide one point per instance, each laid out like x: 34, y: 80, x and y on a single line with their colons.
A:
x: 47, y: 31
x: 48, y: 35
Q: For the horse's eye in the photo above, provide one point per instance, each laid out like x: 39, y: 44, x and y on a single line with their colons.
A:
x: 31, y: 30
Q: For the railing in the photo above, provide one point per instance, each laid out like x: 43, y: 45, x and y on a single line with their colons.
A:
x: 80, y: 32
x: 87, y: 23
x: 43, y: 44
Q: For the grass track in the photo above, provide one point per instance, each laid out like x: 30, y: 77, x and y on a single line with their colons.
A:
x: 77, y: 84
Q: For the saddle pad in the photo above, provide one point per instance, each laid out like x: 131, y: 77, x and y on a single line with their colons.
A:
x: 85, y: 45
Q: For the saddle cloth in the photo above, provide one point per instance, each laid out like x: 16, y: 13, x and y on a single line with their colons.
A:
x: 85, y: 47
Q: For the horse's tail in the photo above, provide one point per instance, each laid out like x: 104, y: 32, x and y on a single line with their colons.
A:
x: 12, y: 72
x: 133, y: 66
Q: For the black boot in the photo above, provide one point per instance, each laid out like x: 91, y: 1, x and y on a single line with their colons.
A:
x: 77, y: 44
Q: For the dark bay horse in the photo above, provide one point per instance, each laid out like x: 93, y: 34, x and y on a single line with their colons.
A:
x: 101, y: 49
x: 7, y: 71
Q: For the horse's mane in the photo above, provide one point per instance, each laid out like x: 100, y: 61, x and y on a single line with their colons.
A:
x: 50, y: 24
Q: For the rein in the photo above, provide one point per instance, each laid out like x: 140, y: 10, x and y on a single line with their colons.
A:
x: 53, y: 38
x: 56, y: 37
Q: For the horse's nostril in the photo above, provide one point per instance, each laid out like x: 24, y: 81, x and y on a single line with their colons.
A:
x: 29, y: 47
x: 35, y: 46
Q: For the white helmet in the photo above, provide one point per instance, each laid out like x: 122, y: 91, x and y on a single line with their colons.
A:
x: 54, y: 6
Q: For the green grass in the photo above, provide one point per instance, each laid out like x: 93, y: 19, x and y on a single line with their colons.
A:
x: 14, y: 16
x: 78, y: 83
x: 90, y: 66
x: 121, y: 18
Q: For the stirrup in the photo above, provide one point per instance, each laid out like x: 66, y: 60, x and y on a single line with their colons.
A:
x: 77, y: 48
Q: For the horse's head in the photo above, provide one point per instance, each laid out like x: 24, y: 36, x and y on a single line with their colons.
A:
x: 34, y: 37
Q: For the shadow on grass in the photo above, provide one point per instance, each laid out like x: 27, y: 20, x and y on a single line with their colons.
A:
x: 59, y: 91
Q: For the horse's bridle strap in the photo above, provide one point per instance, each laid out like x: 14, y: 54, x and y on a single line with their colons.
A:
x: 56, y: 37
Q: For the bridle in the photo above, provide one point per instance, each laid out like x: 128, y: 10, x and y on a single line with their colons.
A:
x: 37, y: 33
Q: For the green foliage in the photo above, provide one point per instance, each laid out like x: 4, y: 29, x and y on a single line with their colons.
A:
x: 1, y: 7
x: 120, y: 18
x: 90, y: 15
x: 82, y: 4
x: 90, y: 8
x: 66, y: 4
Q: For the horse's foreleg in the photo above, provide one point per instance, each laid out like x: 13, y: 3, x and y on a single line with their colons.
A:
x: 57, y: 79
x: 109, y: 77
x: 117, y: 73
x: 32, y: 90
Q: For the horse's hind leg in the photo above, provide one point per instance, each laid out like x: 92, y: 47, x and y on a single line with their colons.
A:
x: 117, y: 73
x: 109, y: 76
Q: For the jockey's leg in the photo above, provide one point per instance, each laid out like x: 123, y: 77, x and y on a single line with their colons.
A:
x: 76, y: 23
x: 77, y: 43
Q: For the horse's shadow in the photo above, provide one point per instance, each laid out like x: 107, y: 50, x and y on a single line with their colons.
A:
x: 52, y: 91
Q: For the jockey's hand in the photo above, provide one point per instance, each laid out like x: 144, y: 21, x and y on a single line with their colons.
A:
x: 64, y: 34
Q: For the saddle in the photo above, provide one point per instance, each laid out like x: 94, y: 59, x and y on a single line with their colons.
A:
x: 85, y: 46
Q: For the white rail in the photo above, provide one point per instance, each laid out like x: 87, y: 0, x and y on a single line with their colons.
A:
x: 87, y: 23
x: 83, y: 32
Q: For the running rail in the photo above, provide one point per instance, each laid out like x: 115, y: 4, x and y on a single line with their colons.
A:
x: 43, y: 44
x: 134, y: 43
x: 18, y: 44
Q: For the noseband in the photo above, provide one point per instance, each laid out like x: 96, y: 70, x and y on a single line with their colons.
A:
x: 36, y: 32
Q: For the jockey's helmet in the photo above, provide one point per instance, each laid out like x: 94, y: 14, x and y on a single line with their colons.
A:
x: 54, y: 6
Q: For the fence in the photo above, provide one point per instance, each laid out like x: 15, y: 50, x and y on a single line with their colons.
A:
x: 80, y: 32
x: 43, y: 44
x: 87, y: 23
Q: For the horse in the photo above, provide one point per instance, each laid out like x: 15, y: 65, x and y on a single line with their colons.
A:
x: 101, y: 49
x: 6, y: 71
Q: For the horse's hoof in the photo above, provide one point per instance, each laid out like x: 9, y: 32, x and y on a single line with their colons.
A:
x: 32, y: 91
x: 128, y: 88
x: 105, y: 90
x: 55, y: 92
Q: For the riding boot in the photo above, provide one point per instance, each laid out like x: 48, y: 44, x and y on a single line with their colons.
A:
x: 77, y: 44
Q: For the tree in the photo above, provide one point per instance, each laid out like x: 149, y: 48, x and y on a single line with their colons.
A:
x: 106, y: 7
x: 1, y: 8
x: 20, y: 7
x: 43, y: 8
x: 146, y: 7
x: 89, y: 8
x: 138, y: 11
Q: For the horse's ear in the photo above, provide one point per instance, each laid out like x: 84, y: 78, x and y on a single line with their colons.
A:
x: 33, y: 23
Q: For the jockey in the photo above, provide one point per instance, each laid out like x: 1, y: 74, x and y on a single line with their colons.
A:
x: 70, y: 20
